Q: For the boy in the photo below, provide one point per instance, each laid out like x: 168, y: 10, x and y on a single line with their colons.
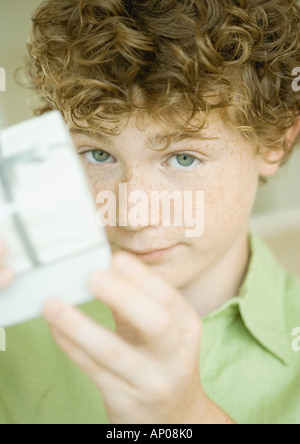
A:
x: 169, y: 95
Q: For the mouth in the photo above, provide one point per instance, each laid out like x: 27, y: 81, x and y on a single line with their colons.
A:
x: 152, y: 255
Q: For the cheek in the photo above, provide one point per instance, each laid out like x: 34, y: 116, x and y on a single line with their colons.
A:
x: 96, y: 180
x: 228, y: 205
x: 100, y: 182
x: 229, y: 200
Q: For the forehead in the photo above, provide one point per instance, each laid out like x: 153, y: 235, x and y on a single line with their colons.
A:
x: 155, y: 136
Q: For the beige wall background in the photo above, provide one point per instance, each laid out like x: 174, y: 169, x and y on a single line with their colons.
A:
x: 16, y: 103
x: 277, y: 209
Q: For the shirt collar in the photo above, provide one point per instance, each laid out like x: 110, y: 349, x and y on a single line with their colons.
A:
x: 261, y: 300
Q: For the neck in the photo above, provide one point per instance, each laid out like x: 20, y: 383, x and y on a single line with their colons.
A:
x: 222, y: 281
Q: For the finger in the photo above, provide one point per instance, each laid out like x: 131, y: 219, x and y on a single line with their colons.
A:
x: 107, y: 381
x: 146, y: 279
x: 150, y: 283
x: 150, y: 319
x: 100, y: 344
x: 6, y: 277
x: 79, y: 357
x: 186, y: 319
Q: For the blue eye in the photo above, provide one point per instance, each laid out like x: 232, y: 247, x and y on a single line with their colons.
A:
x: 183, y: 161
x: 97, y: 156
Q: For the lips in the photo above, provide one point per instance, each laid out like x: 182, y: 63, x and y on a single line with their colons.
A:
x: 157, y: 255
x: 151, y: 255
x: 141, y: 252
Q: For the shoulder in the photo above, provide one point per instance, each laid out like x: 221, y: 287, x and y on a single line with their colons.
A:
x: 274, y: 289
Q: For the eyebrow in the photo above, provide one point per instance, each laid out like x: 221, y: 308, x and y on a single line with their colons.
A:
x: 163, y: 141
x: 157, y: 142
x: 105, y: 140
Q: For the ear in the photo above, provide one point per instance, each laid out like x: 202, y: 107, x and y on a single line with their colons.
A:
x: 271, y: 159
x: 293, y: 132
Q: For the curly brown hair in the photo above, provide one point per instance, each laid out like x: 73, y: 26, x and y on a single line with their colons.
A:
x: 97, y: 61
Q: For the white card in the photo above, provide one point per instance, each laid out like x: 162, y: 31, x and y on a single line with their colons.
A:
x: 48, y: 219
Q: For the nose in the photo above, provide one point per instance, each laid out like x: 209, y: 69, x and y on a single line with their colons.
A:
x: 134, y: 200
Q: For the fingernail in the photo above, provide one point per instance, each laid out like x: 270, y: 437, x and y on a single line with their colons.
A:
x: 122, y: 261
x: 53, y: 309
x: 99, y: 279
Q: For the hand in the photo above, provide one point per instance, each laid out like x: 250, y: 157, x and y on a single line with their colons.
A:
x: 6, y: 273
x: 148, y: 371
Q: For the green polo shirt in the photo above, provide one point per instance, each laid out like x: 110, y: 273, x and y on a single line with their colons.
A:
x: 248, y: 366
